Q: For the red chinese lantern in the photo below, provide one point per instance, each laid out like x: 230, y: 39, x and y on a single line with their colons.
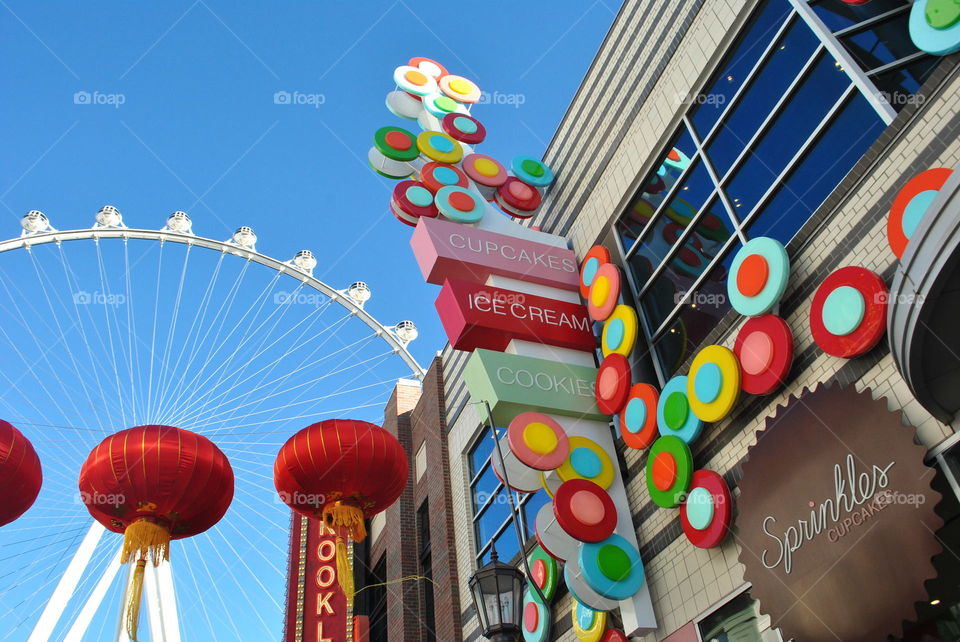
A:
x: 20, y: 473
x: 341, y: 471
x: 154, y: 484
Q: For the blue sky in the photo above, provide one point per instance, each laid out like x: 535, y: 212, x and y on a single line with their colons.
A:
x: 155, y: 107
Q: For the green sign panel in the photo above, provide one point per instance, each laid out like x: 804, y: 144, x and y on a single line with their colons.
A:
x: 512, y: 384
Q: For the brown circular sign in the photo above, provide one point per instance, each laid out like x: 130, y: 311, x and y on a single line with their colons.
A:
x: 836, y: 518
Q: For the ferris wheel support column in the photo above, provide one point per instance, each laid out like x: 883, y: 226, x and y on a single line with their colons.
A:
x: 67, y: 585
x: 161, y: 604
x: 82, y: 623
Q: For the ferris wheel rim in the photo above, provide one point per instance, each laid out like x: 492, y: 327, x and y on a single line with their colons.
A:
x: 26, y: 242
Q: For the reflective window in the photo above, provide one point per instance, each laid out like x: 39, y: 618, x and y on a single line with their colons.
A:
x: 737, y: 64
x: 770, y: 154
x: 822, y: 169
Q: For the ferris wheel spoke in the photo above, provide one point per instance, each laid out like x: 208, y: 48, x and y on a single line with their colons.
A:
x: 216, y: 590
x: 165, y: 374
x: 43, y: 278
x: 226, y: 306
x: 224, y: 400
x: 199, y: 601
x: 108, y: 404
x: 229, y: 413
x: 107, y: 309
x: 225, y: 363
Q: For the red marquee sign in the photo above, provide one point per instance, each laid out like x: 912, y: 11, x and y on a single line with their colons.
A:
x: 322, y: 613
x: 480, y: 316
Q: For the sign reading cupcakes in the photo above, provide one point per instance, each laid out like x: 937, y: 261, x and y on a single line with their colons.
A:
x: 508, y: 297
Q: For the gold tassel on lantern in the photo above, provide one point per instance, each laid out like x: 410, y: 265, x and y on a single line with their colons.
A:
x: 141, y: 540
x: 342, y: 518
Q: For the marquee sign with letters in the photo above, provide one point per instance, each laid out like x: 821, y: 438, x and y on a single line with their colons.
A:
x: 317, y: 609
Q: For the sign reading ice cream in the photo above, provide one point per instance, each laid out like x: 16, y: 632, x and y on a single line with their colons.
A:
x: 481, y: 316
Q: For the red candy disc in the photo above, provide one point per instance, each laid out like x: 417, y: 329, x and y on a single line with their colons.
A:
x: 517, y: 198
x: 463, y: 128
x: 597, y: 255
x: 929, y: 181
x: 719, y: 511
x: 764, y: 349
x: 613, y: 383
x: 584, y: 510
x: 638, y: 418
x: 436, y: 175
x: 613, y: 635
x: 872, y: 299
x: 414, y: 200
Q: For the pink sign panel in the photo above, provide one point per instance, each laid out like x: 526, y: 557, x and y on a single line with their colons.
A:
x: 449, y: 250
x: 481, y: 316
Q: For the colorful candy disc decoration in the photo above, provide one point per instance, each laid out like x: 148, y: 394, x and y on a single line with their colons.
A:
x: 517, y: 198
x: 439, y: 147
x: 460, y: 205
x: 522, y: 478
x: 935, y: 26
x: 613, y: 635
x: 706, y: 512
x: 764, y: 349
x: 674, y: 416
x: 403, y: 105
x: 459, y: 88
x: 535, y: 625
x: 713, y: 385
x: 587, y: 460
x: 544, y: 572
x: 557, y: 542
x: 669, y: 471
x: 441, y: 106
x: 414, y: 81
x: 620, y: 331
x: 849, y: 312
x: 612, y: 567
x: 531, y: 171
x: 464, y: 128
x: 910, y: 204
x: 584, y: 510
x: 604, y: 292
x: 429, y: 66
x: 437, y: 175
x: 538, y: 441
x: 486, y: 172
x: 396, y: 144
x: 613, y: 383
x: 758, y: 276
x: 638, y: 419
x: 589, y: 625
x: 413, y: 200
x: 388, y: 167
x: 594, y: 258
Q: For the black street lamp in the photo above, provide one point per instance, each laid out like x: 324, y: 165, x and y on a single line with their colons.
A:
x: 497, y: 591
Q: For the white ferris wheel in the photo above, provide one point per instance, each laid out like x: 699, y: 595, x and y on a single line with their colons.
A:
x: 112, y: 327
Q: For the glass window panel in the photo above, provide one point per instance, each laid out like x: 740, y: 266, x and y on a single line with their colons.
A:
x: 899, y: 85
x: 531, y: 508
x: 789, y: 57
x: 687, y: 264
x: 481, y: 452
x: 492, y: 518
x: 882, y: 43
x: 840, y: 15
x: 848, y: 137
x: 507, y: 547
x: 696, y: 319
x: 810, y: 103
x: 485, y: 487
x: 738, y: 63
x: 654, y: 189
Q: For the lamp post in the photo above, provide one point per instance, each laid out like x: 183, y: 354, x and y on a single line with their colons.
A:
x: 497, y: 591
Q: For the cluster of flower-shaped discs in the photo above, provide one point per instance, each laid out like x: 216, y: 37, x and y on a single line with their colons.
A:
x: 439, y: 171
